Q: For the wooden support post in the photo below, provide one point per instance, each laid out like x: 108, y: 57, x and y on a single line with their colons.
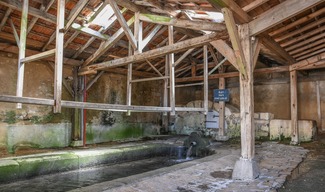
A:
x: 246, y: 167
x: 59, y: 56
x: 165, y: 97
x: 76, y: 122
x: 171, y: 71
x: 129, y: 84
x: 222, y: 104
x: 205, y: 81
x: 319, y: 107
x: 22, y: 51
x: 294, y: 108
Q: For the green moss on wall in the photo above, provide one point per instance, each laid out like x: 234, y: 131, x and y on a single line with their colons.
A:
x: 10, y: 117
x: 90, y: 134
x: 124, y: 132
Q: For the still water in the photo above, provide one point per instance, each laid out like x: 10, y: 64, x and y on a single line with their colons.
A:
x: 85, y: 177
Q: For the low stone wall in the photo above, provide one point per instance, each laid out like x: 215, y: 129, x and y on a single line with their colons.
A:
x: 281, y: 128
x: 39, y: 136
x: 262, y: 124
x: 14, y: 168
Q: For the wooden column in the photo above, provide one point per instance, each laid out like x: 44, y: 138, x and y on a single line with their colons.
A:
x: 171, y: 71
x: 222, y: 105
x: 129, y: 83
x: 165, y: 96
x: 294, y: 108
x: 319, y: 107
x: 205, y: 81
x: 247, y: 99
x: 246, y: 167
x: 59, y: 56
x: 76, y: 122
x: 22, y: 50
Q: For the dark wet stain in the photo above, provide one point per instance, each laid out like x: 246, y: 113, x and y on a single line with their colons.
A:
x: 181, y: 189
x: 221, y: 174
x: 203, y: 187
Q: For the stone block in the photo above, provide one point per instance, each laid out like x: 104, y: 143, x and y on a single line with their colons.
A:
x: 9, y: 170
x: 38, y: 136
x: 280, y: 128
x: 78, y: 143
x: 236, y: 115
x: 44, y: 164
x: 256, y: 115
x: 266, y: 116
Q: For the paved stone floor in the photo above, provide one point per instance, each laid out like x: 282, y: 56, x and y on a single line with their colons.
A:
x: 213, y: 173
x: 310, y: 175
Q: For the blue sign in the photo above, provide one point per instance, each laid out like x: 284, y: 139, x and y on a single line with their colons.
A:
x: 221, y: 94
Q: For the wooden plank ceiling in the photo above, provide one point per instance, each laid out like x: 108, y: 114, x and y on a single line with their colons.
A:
x: 292, y: 40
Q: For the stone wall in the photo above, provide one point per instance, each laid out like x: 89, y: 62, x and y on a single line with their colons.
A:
x: 281, y: 129
x: 102, y: 126
x: 262, y: 125
x: 274, y: 98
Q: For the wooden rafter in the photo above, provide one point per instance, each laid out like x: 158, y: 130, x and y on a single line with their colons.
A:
x: 278, y: 14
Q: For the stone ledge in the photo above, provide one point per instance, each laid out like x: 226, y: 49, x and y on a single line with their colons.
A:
x: 40, y: 164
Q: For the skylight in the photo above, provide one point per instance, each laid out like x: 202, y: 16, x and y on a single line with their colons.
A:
x: 102, y: 17
x: 216, y: 16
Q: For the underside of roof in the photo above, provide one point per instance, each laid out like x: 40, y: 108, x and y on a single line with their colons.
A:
x: 290, y: 32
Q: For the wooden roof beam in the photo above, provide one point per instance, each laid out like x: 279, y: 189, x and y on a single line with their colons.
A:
x: 239, y: 13
x: 102, y: 30
x: 275, y: 47
x: 235, y: 40
x: 187, y: 44
x: 243, y: 17
x: 254, y: 4
x: 164, y: 7
x: 5, y: 17
x: 72, y: 16
x: 300, y: 30
x: 280, y: 13
x: 132, y: 6
x: 107, y: 44
x: 14, y: 49
x: 44, y: 8
x: 124, y: 25
x: 196, y: 25
x: 15, y: 4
